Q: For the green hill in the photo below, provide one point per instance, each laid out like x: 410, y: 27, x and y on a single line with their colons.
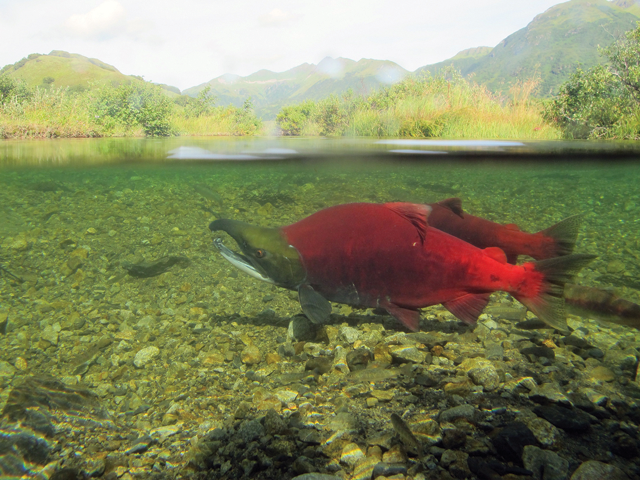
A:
x: 270, y: 91
x: 64, y: 69
x: 551, y: 46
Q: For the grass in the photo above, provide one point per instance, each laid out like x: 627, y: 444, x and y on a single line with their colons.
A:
x: 445, y: 106
x: 128, y: 110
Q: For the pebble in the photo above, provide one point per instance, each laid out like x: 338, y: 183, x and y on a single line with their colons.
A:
x: 594, y: 470
x: 50, y: 333
x: 545, y: 464
x: 511, y: 441
x: 316, y: 476
x: 407, y: 354
x: 481, y: 372
x: 6, y: 369
x: 468, y: 412
x: 569, y: 419
x: 251, y: 355
x: 544, y: 431
x: 350, y: 334
x: 144, y: 356
x: 351, y: 454
x: 602, y: 374
x: 301, y: 329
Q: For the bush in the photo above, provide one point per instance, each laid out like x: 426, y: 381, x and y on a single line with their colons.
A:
x: 13, y: 90
x: 202, y: 105
x: 245, y: 118
x: 604, y: 101
x: 133, y: 104
x: 292, y: 119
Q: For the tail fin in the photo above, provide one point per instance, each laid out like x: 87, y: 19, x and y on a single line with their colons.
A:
x: 548, y: 303
x: 564, y: 234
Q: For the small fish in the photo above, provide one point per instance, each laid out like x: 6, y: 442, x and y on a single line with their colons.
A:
x: 557, y: 240
x: 388, y: 256
x: 207, y: 193
x: 601, y: 304
x: 151, y: 269
x: 405, y: 434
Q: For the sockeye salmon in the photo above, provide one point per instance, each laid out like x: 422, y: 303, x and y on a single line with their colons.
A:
x: 559, y: 239
x: 387, y: 255
x: 555, y: 241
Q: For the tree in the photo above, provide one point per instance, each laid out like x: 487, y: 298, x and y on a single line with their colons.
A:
x: 604, y: 101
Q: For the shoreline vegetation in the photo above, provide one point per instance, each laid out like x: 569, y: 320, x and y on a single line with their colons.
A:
x: 600, y: 103
x: 133, y: 109
x: 442, y: 106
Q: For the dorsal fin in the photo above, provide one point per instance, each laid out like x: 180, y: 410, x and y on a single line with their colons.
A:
x: 512, y: 226
x: 416, y: 213
x: 496, y: 253
x: 453, y: 204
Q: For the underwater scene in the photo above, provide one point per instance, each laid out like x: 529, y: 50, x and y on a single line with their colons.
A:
x: 319, y: 309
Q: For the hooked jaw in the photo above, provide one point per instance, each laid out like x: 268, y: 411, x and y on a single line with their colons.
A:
x: 240, y: 261
x: 266, y: 254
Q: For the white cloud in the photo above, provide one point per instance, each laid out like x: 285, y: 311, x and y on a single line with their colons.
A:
x: 105, y: 21
x: 276, y: 18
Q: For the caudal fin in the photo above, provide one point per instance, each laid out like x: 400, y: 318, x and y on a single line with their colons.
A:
x: 564, y: 235
x: 548, y: 302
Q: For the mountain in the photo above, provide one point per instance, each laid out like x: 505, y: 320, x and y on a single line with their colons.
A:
x: 557, y: 41
x: 270, y: 91
x: 64, y: 69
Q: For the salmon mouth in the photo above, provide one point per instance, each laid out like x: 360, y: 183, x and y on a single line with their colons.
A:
x: 241, y: 262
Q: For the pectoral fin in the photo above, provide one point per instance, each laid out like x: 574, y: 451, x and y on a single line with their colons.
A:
x: 315, y: 306
x: 468, y: 307
x: 409, y: 318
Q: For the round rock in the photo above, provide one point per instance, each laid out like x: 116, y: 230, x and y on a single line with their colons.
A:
x: 594, y: 470
x: 145, y: 355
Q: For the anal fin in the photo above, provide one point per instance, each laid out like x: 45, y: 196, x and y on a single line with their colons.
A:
x: 468, y: 307
x: 315, y: 306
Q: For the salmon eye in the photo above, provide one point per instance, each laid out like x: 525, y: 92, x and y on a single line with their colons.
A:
x: 259, y: 253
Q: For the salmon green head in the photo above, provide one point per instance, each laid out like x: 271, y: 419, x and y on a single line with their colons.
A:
x: 265, y: 253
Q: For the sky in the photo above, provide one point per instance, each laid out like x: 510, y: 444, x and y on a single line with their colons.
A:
x: 187, y: 42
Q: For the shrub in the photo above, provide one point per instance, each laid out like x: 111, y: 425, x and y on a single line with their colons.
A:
x: 604, y: 101
x: 132, y: 104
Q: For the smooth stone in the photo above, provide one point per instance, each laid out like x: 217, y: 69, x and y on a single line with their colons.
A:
x: 571, y: 420
x: 301, y: 329
x: 351, y: 454
x: 251, y: 430
x: 350, y: 334
x: 594, y: 470
x: 404, y: 353
x: 544, y: 431
x: 316, y: 476
x: 482, y: 372
x: 467, y: 412
x: 602, y: 374
x: 548, y: 393
x: 545, y: 464
x: 251, y: 355
x: 387, y: 470
x: 145, y: 355
x: 511, y: 440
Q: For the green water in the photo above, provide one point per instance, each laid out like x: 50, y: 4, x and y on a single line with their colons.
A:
x: 72, y: 213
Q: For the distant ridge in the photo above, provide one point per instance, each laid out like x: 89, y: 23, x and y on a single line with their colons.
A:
x: 270, y: 91
x: 64, y: 69
x: 551, y: 47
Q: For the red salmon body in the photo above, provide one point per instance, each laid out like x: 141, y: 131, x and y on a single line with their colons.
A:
x: 554, y: 241
x: 387, y: 256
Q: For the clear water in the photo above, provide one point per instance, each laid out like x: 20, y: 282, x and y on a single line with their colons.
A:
x: 73, y: 213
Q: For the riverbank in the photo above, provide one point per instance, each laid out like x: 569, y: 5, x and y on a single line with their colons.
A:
x: 444, y: 106
x: 129, y: 110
